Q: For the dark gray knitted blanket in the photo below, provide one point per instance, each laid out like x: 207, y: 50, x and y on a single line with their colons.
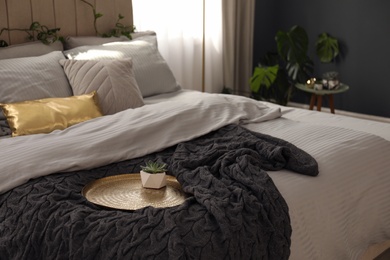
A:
x: 234, y: 210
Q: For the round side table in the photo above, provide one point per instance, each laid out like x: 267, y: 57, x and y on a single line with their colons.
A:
x: 316, y: 95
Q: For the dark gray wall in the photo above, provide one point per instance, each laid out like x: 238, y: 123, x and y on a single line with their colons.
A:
x: 363, y: 28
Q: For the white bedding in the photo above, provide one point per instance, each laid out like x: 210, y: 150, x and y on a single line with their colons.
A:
x: 336, y: 215
x: 124, y: 135
x: 347, y: 207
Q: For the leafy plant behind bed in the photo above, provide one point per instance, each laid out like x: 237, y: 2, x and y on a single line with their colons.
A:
x: 42, y: 33
x: 276, y: 74
x: 118, y: 30
x: 36, y: 31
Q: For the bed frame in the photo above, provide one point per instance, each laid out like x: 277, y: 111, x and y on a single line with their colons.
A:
x: 73, y: 17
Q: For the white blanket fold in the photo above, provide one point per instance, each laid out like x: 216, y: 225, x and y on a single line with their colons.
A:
x: 128, y: 134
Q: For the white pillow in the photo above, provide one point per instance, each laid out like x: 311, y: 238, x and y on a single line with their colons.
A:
x: 151, y: 71
x: 113, y: 80
x: 31, y: 78
x: 29, y: 49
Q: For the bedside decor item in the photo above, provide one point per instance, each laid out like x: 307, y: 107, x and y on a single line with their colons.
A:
x: 318, y: 91
x: 153, y: 175
x: 126, y: 192
x: 311, y: 82
x: 330, y: 80
x: 318, y: 86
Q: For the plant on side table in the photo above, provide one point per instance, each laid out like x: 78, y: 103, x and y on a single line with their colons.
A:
x: 153, y: 175
x: 277, y: 73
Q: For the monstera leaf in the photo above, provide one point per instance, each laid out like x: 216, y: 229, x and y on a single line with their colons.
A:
x: 292, y: 48
x: 327, y: 47
x: 263, y: 76
x: 293, y: 45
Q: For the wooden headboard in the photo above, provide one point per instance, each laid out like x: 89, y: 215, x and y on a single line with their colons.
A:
x: 73, y: 17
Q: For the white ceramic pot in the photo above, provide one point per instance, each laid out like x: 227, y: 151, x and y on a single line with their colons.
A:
x: 153, y: 180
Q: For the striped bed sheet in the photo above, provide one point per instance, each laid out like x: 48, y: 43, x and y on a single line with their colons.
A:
x: 346, y: 209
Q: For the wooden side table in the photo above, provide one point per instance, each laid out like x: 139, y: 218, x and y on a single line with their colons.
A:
x: 316, y: 95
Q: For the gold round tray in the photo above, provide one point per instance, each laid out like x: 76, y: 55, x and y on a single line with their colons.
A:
x: 125, y: 192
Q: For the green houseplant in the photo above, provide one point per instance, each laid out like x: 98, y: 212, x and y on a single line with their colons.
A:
x: 274, y: 77
x: 36, y: 31
x: 46, y: 35
x: 118, y: 30
x: 153, y: 175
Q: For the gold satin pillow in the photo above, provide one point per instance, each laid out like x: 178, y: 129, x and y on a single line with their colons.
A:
x: 49, y: 114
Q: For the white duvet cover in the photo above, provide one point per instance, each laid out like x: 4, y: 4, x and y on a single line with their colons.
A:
x: 128, y: 134
x: 336, y: 215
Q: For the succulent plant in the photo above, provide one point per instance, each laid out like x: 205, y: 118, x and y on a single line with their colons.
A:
x: 154, y: 167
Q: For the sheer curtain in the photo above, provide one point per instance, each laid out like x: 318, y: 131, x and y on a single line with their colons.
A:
x: 183, y: 28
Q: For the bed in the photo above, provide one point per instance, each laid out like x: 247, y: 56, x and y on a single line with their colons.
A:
x: 262, y: 181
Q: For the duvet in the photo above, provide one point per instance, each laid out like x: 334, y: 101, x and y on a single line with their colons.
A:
x: 234, y: 211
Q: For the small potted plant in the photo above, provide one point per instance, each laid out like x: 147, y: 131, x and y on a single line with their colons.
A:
x: 153, y: 175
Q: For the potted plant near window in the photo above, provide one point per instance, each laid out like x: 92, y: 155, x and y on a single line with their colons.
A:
x: 277, y: 73
x: 153, y: 175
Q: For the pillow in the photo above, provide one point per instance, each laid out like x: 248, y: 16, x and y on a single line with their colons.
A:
x: 31, y: 78
x: 151, y: 71
x: 136, y: 35
x: 47, y: 115
x: 30, y: 49
x: 113, y: 80
x: 77, y: 41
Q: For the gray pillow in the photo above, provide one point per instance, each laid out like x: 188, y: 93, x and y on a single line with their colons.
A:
x: 31, y: 78
x: 136, y: 35
x: 113, y: 80
x: 29, y: 49
x: 77, y: 41
x: 151, y: 71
